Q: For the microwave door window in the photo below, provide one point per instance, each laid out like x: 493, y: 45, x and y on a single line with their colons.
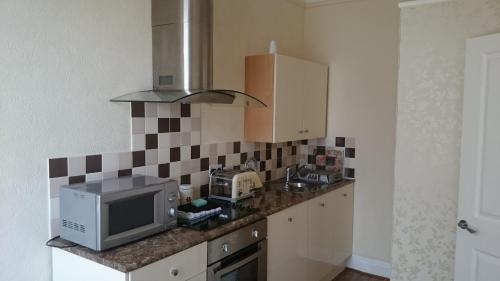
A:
x: 131, y: 213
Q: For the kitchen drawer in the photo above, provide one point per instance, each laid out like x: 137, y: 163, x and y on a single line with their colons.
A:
x: 188, y: 264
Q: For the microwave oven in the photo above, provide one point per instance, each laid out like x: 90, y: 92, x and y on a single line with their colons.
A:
x: 108, y: 213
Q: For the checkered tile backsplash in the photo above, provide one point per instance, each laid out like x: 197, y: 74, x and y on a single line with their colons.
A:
x: 166, y: 143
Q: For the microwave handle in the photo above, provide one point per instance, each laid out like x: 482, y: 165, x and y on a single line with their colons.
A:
x: 228, y: 269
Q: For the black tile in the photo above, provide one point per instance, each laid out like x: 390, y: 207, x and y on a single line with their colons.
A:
x: 164, y: 170
x: 175, y: 154
x: 262, y: 166
x: 237, y: 147
x: 350, y: 153
x: 237, y: 167
x: 349, y: 172
x: 76, y: 179
x: 256, y: 155
x: 186, y: 179
x: 137, y: 109
x: 204, y: 190
x: 311, y: 159
x: 195, y: 152
x: 268, y: 175
x: 151, y: 141
x: 340, y: 142
x: 93, y: 164
x: 221, y: 160
x: 330, y: 161
x: 303, y: 142
x: 124, y: 173
x: 279, y: 153
x: 279, y: 163
x: 163, y: 125
x: 204, y: 164
x: 138, y: 158
x: 269, y: 146
x: 243, y: 158
x: 320, y: 168
x: 269, y: 154
x: 175, y: 125
x: 289, y: 143
x: 58, y: 167
x: 294, y: 150
x: 185, y: 110
x: 320, y: 150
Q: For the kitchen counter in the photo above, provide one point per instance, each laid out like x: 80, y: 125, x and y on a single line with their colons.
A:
x: 271, y: 199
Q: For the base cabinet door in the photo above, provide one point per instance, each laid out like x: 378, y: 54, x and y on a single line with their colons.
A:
x: 330, y: 226
x: 201, y: 277
x: 287, y: 241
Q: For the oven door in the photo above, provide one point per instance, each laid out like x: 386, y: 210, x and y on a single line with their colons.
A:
x: 249, y: 264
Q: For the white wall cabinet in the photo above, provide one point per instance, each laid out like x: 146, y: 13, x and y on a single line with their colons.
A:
x: 295, y: 92
x: 313, y: 240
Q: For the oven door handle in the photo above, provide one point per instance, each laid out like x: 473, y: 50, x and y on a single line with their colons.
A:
x: 248, y: 259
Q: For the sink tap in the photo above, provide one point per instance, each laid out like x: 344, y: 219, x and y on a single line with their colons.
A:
x: 288, y: 174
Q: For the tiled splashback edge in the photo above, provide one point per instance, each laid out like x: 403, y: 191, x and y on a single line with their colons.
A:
x: 166, y: 142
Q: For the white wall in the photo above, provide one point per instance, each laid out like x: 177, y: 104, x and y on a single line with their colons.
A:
x: 360, y: 40
x: 429, y: 126
x: 60, y: 63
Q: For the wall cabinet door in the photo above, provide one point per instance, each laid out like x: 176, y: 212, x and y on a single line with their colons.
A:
x: 330, y: 226
x: 314, y: 100
x: 295, y: 92
x: 287, y: 241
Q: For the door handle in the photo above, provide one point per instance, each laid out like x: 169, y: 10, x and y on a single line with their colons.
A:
x: 464, y: 225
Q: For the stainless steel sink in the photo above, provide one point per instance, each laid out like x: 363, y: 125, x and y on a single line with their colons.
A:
x: 301, y: 186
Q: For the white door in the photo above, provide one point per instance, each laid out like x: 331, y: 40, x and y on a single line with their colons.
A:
x: 478, y: 232
x: 314, y: 100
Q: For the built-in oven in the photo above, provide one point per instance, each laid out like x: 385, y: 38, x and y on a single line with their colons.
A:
x: 240, y: 255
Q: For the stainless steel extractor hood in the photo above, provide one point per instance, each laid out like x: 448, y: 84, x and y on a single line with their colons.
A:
x: 182, y: 57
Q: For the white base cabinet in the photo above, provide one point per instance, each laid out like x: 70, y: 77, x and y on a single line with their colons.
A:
x: 312, y: 240
x: 188, y: 265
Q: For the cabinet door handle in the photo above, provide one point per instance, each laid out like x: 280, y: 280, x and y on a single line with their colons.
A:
x: 344, y: 194
x: 300, y: 132
x: 322, y: 205
x: 306, y: 131
x: 174, y: 272
x: 290, y: 219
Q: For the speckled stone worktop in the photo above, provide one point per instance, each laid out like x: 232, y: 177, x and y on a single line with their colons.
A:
x: 270, y: 200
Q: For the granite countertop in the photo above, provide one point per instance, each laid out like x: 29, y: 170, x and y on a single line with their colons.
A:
x: 271, y: 199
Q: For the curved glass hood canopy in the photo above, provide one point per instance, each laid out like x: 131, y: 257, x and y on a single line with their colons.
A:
x: 182, y: 57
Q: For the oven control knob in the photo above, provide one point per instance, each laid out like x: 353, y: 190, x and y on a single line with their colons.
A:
x: 255, y: 233
x: 172, y: 212
x: 225, y: 247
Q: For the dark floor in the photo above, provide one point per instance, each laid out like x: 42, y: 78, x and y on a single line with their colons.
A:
x: 353, y: 275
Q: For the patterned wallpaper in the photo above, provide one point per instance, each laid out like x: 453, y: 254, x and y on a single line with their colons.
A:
x: 432, y: 56
x: 166, y: 142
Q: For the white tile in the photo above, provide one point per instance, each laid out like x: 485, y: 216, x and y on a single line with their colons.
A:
x: 185, y: 124
x: 186, y: 138
x: 93, y: 177
x: 221, y: 149
x: 175, y: 139
x: 164, y: 140
x: 139, y: 171
x: 185, y: 153
x: 204, y: 178
x: 204, y: 150
x: 152, y: 170
x: 195, y: 165
x: 76, y: 166
x: 55, y: 184
x: 138, y: 125
x: 151, y: 109
x: 195, y: 124
x: 349, y: 162
x: 124, y: 160
x: 195, y: 110
x: 195, y: 138
x: 151, y: 126
x: 164, y: 110
x: 110, y: 162
x: 175, y: 110
x: 151, y: 157
x: 138, y: 142
x: 196, y: 179
x: 175, y: 169
x: 163, y: 156
x: 110, y: 175
x: 350, y: 142
x: 185, y: 167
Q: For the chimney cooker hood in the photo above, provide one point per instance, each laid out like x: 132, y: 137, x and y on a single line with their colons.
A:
x: 182, y: 57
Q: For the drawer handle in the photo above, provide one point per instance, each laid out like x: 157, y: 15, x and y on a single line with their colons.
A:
x: 300, y: 132
x: 322, y: 205
x: 344, y: 194
x: 174, y: 272
x: 306, y: 131
x: 290, y: 219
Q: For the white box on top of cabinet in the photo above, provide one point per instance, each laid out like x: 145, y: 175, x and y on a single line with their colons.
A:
x: 295, y: 92
x: 188, y: 265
